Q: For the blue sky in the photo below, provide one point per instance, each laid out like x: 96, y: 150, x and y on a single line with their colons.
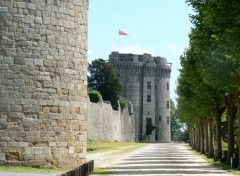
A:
x: 157, y: 27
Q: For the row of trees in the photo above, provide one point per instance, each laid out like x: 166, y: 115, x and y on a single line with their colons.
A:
x: 209, y: 82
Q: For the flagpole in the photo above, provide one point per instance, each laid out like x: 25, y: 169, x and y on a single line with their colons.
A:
x: 118, y: 41
x: 120, y: 33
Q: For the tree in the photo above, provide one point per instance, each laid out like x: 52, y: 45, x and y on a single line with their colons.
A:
x: 103, y: 79
x: 95, y: 96
x: 177, y: 126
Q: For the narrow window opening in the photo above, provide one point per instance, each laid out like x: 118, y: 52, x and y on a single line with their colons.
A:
x: 149, y: 85
x: 149, y: 98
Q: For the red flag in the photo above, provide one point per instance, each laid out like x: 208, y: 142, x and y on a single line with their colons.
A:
x: 122, y: 33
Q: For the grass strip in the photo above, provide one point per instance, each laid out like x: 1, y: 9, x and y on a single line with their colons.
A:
x: 223, y: 166
x: 103, y: 146
x: 115, y: 148
x: 99, y: 171
x: 29, y: 169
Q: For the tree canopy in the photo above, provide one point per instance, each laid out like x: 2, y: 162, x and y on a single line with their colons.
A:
x: 103, y: 79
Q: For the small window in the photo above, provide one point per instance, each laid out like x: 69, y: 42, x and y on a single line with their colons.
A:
x: 168, y: 120
x: 149, y: 85
x: 167, y: 86
x: 131, y: 59
x: 168, y: 104
x: 160, y: 118
x: 148, y: 112
x: 149, y: 98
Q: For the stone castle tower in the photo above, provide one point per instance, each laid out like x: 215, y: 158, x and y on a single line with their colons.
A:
x: 43, y: 82
x: 145, y: 81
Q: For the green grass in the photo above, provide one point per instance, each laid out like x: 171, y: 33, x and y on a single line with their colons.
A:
x: 221, y: 165
x: 28, y: 169
x: 103, y: 146
x: 101, y: 171
x: 218, y: 164
x: 116, y: 149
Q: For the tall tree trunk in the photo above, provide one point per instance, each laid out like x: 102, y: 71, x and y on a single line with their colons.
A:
x: 219, y: 111
x: 190, y: 136
x: 231, y: 112
x: 202, y: 136
x: 210, y: 128
x: 193, y: 137
x: 206, y: 137
x: 237, y: 99
x: 197, y: 138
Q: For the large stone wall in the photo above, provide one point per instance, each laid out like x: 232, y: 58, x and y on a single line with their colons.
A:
x: 43, y: 82
x: 107, y: 124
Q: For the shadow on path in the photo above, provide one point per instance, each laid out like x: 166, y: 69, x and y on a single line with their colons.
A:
x: 164, y: 159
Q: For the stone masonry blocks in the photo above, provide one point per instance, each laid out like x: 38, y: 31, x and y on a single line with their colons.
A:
x: 43, y: 82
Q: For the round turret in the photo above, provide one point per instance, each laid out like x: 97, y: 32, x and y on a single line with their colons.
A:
x: 160, y: 60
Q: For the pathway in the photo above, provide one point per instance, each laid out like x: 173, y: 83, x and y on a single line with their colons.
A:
x: 159, y: 159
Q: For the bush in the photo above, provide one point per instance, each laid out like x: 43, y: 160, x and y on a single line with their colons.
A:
x: 123, y: 102
x: 95, y: 96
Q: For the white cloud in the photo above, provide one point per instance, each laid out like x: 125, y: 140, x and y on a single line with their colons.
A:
x: 134, y: 49
x: 175, y: 48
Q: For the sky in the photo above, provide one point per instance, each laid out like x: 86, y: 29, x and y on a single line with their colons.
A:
x: 156, y: 27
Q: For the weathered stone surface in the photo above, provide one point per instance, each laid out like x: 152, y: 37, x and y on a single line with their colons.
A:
x: 42, y: 82
x: 120, y: 124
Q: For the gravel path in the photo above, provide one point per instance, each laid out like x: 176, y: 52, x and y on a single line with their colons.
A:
x: 158, y: 159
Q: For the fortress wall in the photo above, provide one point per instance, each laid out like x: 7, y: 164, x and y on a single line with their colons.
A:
x: 128, y: 126
x: 43, y: 82
x: 107, y: 124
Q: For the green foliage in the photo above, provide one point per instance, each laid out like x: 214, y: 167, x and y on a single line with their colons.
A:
x: 123, y: 102
x: 177, y: 127
x: 217, y: 24
x: 98, y: 145
x: 103, y: 79
x: 95, y: 96
x: 210, y: 68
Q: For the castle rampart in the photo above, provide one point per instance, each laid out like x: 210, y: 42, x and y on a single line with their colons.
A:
x: 43, y: 82
x: 107, y: 124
